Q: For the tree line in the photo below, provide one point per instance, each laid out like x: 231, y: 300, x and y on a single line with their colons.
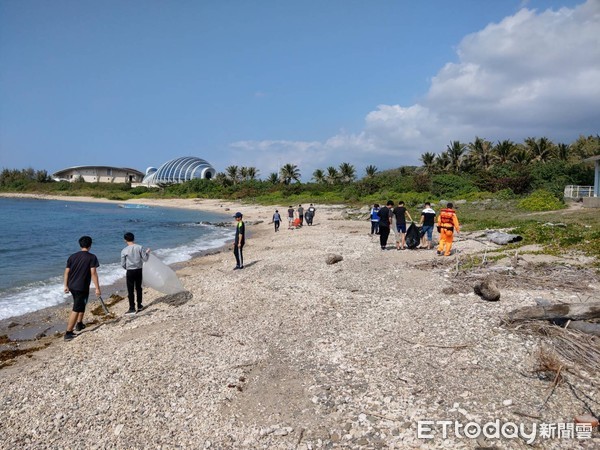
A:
x: 460, y: 169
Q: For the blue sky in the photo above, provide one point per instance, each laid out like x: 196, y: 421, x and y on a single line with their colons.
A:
x: 313, y: 83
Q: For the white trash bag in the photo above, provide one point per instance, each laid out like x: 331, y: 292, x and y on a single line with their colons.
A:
x: 157, y: 275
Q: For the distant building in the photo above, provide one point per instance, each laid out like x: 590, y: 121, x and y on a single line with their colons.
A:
x: 99, y: 174
x: 179, y: 170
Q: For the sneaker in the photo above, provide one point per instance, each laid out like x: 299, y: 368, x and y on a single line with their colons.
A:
x: 79, y: 326
x: 130, y: 312
x: 241, y: 267
x: 69, y: 335
x: 140, y: 307
x: 439, y: 253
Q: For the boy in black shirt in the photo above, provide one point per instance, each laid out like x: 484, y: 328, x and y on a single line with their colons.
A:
x: 385, y: 219
x: 238, y: 245
x: 80, y: 271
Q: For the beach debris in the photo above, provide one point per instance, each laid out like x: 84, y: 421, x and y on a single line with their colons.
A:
x: 502, y: 238
x: 333, y: 258
x: 570, y: 311
x: 587, y: 419
x: 487, y: 290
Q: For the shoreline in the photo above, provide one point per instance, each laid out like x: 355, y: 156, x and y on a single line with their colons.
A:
x: 26, y: 329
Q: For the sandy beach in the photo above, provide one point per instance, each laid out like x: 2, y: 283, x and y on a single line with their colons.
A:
x: 292, y: 352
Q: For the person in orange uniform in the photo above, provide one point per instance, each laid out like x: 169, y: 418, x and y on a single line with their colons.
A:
x: 447, y: 224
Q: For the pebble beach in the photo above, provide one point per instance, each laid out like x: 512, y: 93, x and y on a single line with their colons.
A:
x: 294, y: 353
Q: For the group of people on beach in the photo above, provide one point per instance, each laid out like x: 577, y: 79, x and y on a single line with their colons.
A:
x: 296, y: 218
x: 81, y: 270
x: 395, y: 217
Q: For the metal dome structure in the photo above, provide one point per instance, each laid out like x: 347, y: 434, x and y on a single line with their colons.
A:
x: 179, y: 170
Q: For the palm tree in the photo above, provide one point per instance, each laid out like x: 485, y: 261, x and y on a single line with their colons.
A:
x: 480, y: 153
x: 347, y: 172
x: 540, y: 150
x: 289, y: 172
x: 319, y: 176
x: 428, y: 160
x: 370, y: 170
x: 563, y: 151
x: 252, y: 173
x: 521, y: 157
x: 455, y: 152
x: 232, y: 173
x: 442, y: 162
x: 244, y: 173
x: 332, y: 176
x: 273, y: 178
x: 502, y: 152
x: 222, y: 179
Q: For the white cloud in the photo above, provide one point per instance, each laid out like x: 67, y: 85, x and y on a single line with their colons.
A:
x: 531, y: 74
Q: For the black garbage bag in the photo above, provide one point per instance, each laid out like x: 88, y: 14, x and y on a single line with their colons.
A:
x: 413, y: 237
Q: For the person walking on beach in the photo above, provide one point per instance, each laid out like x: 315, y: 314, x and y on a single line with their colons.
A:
x: 132, y: 260
x: 310, y: 214
x: 385, y: 219
x: 79, y: 273
x: 276, y: 220
x: 400, y: 214
x: 290, y: 217
x: 374, y: 219
x: 301, y: 214
x: 238, y: 245
x: 447, y: 225
x: 427, y: 222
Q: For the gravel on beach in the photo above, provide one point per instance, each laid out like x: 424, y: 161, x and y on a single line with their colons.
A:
x: 293, y: 352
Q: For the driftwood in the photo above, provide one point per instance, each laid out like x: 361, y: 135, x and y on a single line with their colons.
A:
x: 579, y: 311
x: 584, y: 327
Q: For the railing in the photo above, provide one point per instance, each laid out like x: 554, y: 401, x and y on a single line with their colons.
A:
x: 572, y: 191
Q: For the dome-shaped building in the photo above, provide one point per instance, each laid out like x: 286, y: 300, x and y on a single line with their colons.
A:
x: 179, y: 170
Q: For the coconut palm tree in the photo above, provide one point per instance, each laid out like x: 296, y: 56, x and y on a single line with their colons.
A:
x: 456, y: 152
x: 502, y: 151
x: 243, y: 173
x: 370, y: 170
x: 288, y: 173
x: 563, y: 151
x: 252, y: 173
x: 521, y: 156
x: 442, y: 162
x: 319, y: 176
x: 540, y: 149
x: 222, y: 179
x: 347, y: 172
x: 480, y: 153
x: 332, y: 176
x: 428, y: 160
x: 232, y: 173
x: 273, y: 178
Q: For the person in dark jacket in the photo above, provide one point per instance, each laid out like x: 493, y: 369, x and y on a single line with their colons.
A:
x: 238, y: 245
x: 385, y: 220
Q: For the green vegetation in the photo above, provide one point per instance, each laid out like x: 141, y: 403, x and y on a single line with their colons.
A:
x: 503, y: 185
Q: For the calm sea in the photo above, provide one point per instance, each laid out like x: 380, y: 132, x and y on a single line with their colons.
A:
x: 37, y: 237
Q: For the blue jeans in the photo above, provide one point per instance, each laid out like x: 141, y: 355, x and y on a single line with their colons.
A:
x: 429, y: 230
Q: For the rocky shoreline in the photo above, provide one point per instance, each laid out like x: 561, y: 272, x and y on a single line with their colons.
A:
x: 292, y: 352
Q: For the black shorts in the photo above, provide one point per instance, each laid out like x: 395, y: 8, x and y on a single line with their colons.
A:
x: 80, y: 299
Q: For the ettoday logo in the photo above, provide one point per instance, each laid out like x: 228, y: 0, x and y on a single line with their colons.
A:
x: 430, y: 429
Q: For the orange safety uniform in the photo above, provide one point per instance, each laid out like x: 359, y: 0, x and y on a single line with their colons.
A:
x: 447, y: 224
